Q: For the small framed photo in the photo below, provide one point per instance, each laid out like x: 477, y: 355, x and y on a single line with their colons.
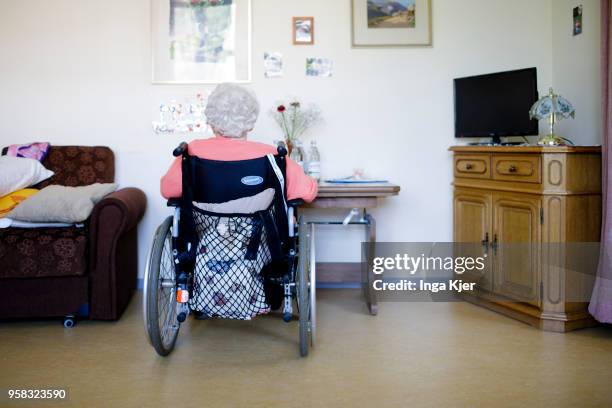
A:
x: 577, y: 20
x: 303, y: 30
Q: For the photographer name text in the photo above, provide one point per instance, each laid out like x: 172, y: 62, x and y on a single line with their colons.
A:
x: 453, y: 285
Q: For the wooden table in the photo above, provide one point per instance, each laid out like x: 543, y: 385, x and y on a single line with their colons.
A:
x: 360, y: 197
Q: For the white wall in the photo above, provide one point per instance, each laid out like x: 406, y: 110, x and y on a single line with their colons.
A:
x: 79, y: 72
x: 576, y: 69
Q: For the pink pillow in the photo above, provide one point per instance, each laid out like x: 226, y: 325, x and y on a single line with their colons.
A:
x: 37, y: 151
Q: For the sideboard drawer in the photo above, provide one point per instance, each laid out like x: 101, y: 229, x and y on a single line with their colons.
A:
x: 472, y: 165
x: 524, y: 169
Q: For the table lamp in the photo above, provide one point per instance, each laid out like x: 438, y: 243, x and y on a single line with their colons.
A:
x: 555, y: 107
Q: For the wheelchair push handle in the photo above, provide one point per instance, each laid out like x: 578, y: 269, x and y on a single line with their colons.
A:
x: 180, y: 150
x: 282, y: 149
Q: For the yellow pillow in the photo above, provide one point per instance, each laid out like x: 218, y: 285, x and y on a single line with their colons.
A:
x: 10, y: 201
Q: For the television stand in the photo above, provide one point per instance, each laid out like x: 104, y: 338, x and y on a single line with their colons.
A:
x: 530, y: 210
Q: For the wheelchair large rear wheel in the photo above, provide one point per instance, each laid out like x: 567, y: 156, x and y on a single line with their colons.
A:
x: 304, y: 291
x: 160, y: 305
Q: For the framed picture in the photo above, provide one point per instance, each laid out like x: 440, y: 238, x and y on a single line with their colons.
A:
x: 303, y: 30
x: 201, y: 41
x: 391, y: 23
x: 577, y: 27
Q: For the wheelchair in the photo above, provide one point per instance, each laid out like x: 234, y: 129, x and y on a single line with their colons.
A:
x: 214, y: 264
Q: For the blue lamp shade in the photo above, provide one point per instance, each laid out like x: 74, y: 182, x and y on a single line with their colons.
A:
x: 555, y: 108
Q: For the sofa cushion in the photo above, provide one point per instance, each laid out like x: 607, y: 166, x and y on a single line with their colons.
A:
x: 79, y: 165
x: 45, y: 252
x: 62, y: 203
x: 10, y: 201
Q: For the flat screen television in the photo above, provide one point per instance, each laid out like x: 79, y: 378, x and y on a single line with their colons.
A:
x: 496, y: 105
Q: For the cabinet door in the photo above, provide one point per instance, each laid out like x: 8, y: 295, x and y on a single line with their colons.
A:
x: 516, y: 243
x: 472, y: 226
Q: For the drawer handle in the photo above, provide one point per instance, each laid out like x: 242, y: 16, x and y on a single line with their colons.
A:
x: 469, y: 166
x: 512, y: 169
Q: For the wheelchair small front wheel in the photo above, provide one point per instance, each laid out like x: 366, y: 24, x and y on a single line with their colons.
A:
x: 69, y: 321
x: 160, y: 305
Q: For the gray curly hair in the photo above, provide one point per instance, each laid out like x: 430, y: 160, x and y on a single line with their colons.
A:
x: 232, y: 111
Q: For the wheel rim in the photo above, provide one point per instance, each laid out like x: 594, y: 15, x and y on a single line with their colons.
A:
x: 146, y: 288
x: 303, y: 294
x: 166, y: 294
x: 312, y: 285
x: 160, y: 306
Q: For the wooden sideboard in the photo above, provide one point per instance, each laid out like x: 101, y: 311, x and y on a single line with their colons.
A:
x: 536, y: 198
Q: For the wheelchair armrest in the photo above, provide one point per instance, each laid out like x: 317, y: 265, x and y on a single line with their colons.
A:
x: 174, y: 202
x: 295, y: 203
x: 291, y: 221
x: 292, y: 214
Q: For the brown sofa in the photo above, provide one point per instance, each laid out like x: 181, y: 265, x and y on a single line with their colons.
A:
x: 91, y: 270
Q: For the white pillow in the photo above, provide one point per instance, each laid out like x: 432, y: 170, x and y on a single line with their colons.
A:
x: 19, y: 172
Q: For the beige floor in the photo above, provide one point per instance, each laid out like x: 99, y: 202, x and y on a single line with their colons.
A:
x: 411, y: 355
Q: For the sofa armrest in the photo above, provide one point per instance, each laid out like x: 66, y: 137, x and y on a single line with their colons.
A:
x: 129, y: 202
x: 113, y: 255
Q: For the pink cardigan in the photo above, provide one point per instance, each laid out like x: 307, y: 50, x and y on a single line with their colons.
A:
x: 299, y: 185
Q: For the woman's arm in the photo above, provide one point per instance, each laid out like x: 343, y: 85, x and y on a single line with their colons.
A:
x: 172, y: 183
x: 299, y: 185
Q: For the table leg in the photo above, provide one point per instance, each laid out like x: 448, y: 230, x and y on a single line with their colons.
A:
x: 368, y: 276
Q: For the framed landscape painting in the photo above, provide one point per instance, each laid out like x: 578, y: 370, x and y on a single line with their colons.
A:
x: 391, y: 23
x: 201, y: 41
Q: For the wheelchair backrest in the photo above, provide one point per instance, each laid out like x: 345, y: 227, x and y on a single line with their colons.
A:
x: 217, y: 182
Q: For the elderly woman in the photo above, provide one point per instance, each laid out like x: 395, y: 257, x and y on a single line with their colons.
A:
x: 232, y: 112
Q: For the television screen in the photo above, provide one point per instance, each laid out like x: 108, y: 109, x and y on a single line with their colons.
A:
x: 496, y: 105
